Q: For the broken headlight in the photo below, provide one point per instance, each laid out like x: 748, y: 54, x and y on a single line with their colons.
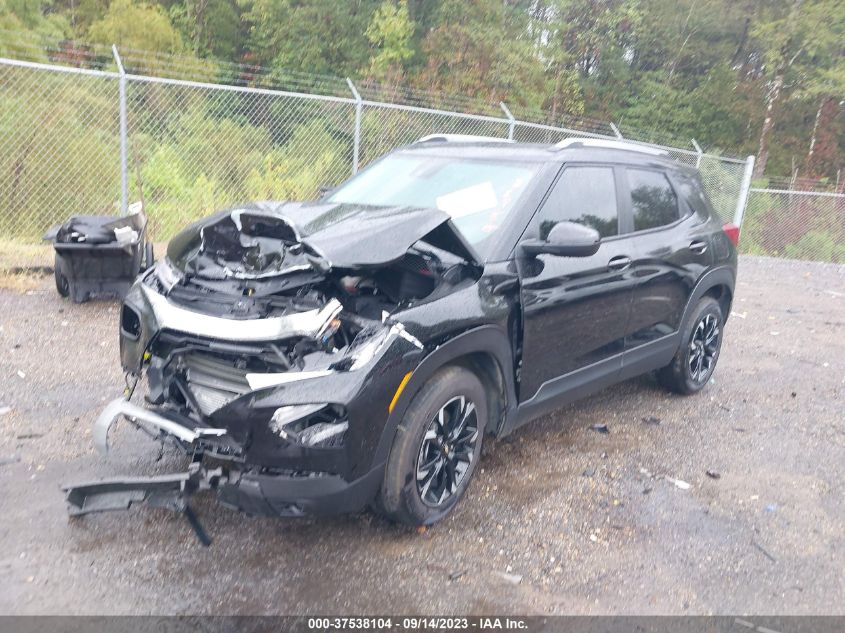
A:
x: 313, y: 425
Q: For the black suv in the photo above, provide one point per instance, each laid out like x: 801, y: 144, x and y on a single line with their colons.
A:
x: 323, y: 356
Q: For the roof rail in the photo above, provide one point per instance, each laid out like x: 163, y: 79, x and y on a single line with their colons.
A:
x: 461, y: 138
x: 609, y: 144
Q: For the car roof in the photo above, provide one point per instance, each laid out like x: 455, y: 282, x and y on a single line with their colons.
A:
x: 573, y: 149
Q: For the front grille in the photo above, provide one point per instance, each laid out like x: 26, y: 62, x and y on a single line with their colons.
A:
x: 213, y: 382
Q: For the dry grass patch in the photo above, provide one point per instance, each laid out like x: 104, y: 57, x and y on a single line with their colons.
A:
x: 24, y: 265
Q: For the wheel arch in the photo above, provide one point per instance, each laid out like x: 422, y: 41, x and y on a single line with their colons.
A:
x: 718, y: 283
x: 724, y: 295
x: 486, y: 351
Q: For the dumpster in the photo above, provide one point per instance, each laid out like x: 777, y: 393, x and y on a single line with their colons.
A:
x: 100, y: 255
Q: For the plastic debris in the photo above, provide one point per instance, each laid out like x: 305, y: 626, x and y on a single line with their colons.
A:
x: 514, y: 579
x: 589, y: 472
x: 713, y: 474
x: 679, y: 483
x: 651, y: 421
x: 21, y: 374
x: 5, y: 410
x: 600, y: 428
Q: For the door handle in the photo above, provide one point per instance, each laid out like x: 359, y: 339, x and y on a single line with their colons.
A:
x: 620, y: 262
x: 698, y: 247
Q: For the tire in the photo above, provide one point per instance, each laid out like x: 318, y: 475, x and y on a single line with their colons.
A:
x: 701, y: 341
x: 62, y: 283
x: 419, y: 447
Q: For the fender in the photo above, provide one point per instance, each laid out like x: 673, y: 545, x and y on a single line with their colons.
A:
x: 488, y: 339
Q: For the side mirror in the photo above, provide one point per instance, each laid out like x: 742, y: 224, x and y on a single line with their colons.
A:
x: 566, y: 239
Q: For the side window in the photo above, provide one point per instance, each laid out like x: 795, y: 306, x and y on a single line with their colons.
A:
x: 653, y: 201
x: 586, y: 195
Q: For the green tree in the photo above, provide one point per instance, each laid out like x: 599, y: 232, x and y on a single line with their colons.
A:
x: 137, y: 26
x: 210, y: 27
x: 483, y: 49
x: 315, y: 36
x: 25, y: 23
x: 796, y: 43
x: 390, y: 33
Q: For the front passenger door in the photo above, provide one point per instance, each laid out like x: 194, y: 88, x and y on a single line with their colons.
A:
x: 576, y: 309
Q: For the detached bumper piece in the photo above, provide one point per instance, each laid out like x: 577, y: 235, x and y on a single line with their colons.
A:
x: 99, y: 255
x: 170, y: 492
x: 148, y: 420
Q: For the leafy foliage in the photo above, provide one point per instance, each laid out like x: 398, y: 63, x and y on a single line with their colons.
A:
x: 747, y: 76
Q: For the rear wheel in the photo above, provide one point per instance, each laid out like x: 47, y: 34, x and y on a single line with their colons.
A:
x: 62, y: 284
x: 436, y: 449
x: 695, y: 360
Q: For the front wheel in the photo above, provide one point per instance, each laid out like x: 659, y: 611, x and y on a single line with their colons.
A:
x: 695, y: 360
x: 436, y: 449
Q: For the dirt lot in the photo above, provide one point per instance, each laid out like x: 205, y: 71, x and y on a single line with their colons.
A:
x: 561, y: 519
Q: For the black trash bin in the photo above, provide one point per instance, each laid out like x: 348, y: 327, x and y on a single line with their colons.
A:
x: 99, y: 255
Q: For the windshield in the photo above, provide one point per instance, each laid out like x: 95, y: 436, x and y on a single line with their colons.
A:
x: 477, y: 194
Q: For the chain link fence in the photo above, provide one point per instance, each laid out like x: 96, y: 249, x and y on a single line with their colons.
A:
x: 193, y: 147
x: 795, y: 224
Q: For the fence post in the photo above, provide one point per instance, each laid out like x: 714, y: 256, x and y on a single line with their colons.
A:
x: 744, y: 190
x: 699, y: 150
x: 356, y: 143
x: 124, y: 184
x: 511, y: 120
x: 616, y: 131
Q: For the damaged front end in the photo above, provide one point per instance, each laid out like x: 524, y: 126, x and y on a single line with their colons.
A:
x: 271, y: 344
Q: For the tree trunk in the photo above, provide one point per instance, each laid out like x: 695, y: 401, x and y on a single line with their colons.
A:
x: 822, y: 141
x: 768, y: 125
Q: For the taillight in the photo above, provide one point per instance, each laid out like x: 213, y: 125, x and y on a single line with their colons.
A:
x: 732, y: 231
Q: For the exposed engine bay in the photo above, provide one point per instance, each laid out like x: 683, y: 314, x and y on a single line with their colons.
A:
x: 281, y: 309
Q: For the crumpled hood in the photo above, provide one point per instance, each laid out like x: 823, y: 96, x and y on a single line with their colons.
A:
x: 266, y: 239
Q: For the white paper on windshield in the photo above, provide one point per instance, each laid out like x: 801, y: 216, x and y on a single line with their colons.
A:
x: 468, y: 200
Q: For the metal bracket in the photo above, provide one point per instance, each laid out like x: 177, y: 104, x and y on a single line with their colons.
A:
x: 699, y: 151
x: 616, y: 131
x: 744, y: 190
x: 511, y: 119
x: 124, y: 182
x: 356, y: 142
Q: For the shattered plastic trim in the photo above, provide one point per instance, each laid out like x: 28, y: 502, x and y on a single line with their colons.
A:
x: 262, y: 381
x: 123, y: 408
x: 309, y: 323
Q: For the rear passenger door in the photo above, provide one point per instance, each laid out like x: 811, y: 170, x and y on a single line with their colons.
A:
x: 671, y: 252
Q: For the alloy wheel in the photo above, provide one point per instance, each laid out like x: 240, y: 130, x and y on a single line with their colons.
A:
x: 447, y: 451
x: 704, y: 347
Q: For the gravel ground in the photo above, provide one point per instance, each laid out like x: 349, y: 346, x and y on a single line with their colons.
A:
x: 560, y: 518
